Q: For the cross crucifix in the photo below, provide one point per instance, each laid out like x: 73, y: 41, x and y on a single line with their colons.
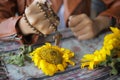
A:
x: 57, y: 38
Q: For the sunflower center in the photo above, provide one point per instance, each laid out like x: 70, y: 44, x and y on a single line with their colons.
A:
x: 51, y: 55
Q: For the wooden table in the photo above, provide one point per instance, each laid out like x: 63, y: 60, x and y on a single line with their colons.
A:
x: 30, y: 72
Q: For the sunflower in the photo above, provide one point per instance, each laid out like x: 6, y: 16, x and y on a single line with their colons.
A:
x: 51, y: 59
x: 111, y: 42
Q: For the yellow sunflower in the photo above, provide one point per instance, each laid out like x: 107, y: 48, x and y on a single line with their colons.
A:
x: 111, y: 42
x: 92, y: 60
x: 51, y: 59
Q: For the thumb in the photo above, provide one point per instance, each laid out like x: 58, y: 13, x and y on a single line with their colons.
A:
x: 40, y: 1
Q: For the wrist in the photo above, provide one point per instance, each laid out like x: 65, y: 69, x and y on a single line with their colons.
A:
x: 103, y: 22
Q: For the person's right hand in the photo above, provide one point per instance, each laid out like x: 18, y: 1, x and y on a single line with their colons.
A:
x: 85, y: 28
x: 37, y: 19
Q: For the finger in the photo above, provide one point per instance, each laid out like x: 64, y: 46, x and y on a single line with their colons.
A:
x: 83, y: 24
x: 36, y: 19
x: 40, y: 1
x: 74, y: 20
x: 85, y: 33
x: 44, y: 27
x: 86, y: 30
x: 32, y: 10
x: 85, y: 36
x: 35, y: 7
x: 81, y: 32
x: 78, y: 27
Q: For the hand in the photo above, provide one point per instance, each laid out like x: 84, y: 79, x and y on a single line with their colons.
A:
x: 37, y: 19
x: 85, y: 28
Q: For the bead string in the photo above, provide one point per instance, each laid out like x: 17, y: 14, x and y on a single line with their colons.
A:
x: 52, y: 18
x: 49, y: 14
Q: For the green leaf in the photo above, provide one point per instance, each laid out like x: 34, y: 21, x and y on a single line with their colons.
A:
x: 109, y: 59
x: 28, y: 58
x: 29, y: 49
x: 104, y: 63
x: 113, y: 51
x: 118, y: 59
x: 114, y: 71
x: 16, y: 60
x: 19, y: 58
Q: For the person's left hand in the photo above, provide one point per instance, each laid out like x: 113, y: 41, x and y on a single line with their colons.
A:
x: 85, y: 28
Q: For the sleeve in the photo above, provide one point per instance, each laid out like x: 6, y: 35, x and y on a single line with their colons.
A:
x: 8, y: 20
x: 113, y: 10
x: 8, y: 23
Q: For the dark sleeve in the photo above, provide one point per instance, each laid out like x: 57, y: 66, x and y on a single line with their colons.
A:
x: 8, y: 20
x: 113, y: 9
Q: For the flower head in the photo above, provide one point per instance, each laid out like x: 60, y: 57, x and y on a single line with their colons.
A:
x: 111, y: 43
x: 51, y: 59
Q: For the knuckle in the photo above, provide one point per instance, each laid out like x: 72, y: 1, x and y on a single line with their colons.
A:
x: 32, y: 22
x: 70, y: 18
x: 88, y: 20
x: 75, y: 34
x: 83, y: 15
x: 27, y: 11
x: 79, y: 38
x: 47, y: 32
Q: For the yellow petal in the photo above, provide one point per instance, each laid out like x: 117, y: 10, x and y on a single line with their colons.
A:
x: 91, y: 66
x: 60, y: 67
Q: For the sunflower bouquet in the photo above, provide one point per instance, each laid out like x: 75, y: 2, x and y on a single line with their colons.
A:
x: 51, y: 59
x: 108, y: 55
